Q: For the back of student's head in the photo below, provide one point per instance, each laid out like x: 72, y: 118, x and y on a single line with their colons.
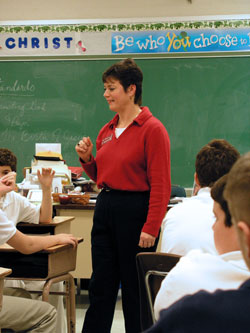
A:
x: 214, y: 160
x: 217, y: 195
x: 7, y: 158
x: 237, y: 190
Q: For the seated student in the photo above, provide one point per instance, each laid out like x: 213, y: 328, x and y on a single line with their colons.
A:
x: 19, y: 209
x: 23, y: 314
x: 223, y: 310
x: 188, y: 225
x: 199, y: 270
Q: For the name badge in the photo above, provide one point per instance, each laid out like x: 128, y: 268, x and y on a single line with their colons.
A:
x: 107, y: 139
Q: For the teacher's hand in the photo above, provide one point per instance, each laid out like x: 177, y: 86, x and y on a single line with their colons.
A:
x: 84, y: 149
x: 146, y: 240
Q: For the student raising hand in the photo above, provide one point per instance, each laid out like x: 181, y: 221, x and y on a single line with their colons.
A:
x: 46, y: 177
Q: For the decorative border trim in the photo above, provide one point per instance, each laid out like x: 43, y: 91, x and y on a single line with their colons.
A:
x: 126, y: 27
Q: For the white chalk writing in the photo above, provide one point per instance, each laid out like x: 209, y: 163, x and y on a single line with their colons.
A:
x: 17, y: 88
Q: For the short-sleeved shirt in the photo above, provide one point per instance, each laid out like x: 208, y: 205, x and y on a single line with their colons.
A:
x: 19, y: 209
x: 188, y: 225
x: 7, y: 228
x: 199, y: 270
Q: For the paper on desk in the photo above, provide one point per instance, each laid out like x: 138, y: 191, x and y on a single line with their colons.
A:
x: 35, y: 195
x: 60, y: 168
x: 176, y: 200
x: 48, y: 149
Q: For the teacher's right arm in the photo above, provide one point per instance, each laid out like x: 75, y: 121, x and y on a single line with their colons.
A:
x: 84, y: 150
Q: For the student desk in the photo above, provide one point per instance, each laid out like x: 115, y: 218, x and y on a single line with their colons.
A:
x: 3, y: 273
x: 80, y: 228
x: 59, y: 224
x: 51, y: 265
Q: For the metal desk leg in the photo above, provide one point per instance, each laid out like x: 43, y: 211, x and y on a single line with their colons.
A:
x: 70, y: 297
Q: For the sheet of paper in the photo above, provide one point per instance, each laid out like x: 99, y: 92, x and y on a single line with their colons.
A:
x: 53, y: 147
x: 35, y: 195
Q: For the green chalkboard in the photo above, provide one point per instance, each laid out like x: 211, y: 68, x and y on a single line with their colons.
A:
x: 197, y: 99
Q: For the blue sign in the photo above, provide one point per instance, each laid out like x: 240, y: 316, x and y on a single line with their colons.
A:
x: 177, y: 41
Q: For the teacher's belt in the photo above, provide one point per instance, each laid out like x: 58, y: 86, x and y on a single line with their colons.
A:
x: 107, y: 189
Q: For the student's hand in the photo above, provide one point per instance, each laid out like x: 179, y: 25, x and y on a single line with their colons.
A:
x: 84, y: 149
x: 67, y: 239
x: 7, y: 183
x: 45, y: 178
x: 146, y: 240
x: 4, y: 189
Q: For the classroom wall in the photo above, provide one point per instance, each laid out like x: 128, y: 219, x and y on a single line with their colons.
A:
x: 99, y: 9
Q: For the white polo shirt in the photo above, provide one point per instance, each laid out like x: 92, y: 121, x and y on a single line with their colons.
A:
x: 19, y: 209
x: 198, y: 270
x: 7, y: 228
x: 188, y: 225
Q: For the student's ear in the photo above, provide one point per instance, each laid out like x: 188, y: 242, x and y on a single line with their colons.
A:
x: 196, y: 179
x: 245, y: 228
x: 197, y: 185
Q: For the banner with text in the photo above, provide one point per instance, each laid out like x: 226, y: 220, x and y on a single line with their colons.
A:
x: 54, y: 43
x: 177, y: 41
x: 104, y: 40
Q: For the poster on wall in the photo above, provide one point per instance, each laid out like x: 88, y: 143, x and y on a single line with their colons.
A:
x: 163, y: 38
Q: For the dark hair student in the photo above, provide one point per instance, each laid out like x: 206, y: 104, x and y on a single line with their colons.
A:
x: 132, y: 169
x: 7, y: 158
x: 214, y: 160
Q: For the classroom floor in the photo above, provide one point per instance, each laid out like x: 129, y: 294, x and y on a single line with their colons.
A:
x: 82, y: 305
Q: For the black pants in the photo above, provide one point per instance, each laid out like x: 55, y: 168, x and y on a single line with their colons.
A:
x: 118, y: 220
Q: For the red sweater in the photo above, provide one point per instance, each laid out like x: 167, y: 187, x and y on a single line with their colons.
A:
x: 138, y: 160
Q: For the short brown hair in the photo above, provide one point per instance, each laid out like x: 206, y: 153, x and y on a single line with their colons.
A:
x: 214, y: 160
x: 7, y: 158
x: 217, y: 194
x: 127, y: 72
x: 237, y: 190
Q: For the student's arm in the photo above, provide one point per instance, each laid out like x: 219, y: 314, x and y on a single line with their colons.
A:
x: 45, y: 178
x: 29, y: 244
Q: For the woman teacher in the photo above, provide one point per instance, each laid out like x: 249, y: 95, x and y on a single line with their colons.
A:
x: 132, y: 167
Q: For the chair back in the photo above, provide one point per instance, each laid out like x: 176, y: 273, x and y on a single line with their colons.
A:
x: 177, y: 191
x: 152, y: 267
